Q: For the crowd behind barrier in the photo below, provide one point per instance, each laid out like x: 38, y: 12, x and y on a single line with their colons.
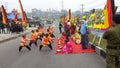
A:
x: 11, y: 28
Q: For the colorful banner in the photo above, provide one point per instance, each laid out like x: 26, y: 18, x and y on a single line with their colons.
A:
x: 15, y: 17
x: 108, y: 14
x: 63, y: 19
x: 69, y: 15
x: 22, y: 13
x: 4, y: 15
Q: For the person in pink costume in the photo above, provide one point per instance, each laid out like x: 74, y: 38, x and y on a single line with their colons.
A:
x: 69, y: 47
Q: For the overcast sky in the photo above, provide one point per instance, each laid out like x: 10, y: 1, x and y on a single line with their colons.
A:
x: 55, y: 4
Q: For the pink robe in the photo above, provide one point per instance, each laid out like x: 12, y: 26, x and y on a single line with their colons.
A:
x: 67, y: 48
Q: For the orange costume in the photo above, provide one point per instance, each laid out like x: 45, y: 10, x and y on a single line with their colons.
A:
x: 51, y: 30
x: 51, y: 39
x: 41, y: 30
x: 33, y: 37
x: 45, y: 41
x: 36, y: 35
x: 23, y: 42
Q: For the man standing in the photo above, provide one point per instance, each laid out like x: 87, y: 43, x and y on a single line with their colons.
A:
x: 84, y: 34
x: 68, y: 25
x: 3, y: 28
x: 113, y: 43
x: 60, y: 27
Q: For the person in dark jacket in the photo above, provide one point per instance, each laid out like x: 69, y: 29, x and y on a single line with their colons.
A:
x: 60, y: 27
x: 3, y: 28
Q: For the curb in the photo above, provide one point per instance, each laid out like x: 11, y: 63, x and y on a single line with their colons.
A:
x: 99, y: 50
x: 11, y: 38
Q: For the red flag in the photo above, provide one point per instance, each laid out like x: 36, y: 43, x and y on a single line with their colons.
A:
x: 109, y: 13
x: 4, y: 15
x: 22, y: 12
x: 69, y: 15
x: 15, y: 17
x: 25, y: 17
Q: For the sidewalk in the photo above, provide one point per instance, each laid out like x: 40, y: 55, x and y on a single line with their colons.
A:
x: 7, y: 37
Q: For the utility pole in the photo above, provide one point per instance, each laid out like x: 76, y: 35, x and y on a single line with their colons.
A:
x: 82, y: 8
x: 62, y: 5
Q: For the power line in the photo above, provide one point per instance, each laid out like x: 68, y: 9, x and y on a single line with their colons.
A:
x: 97, y: 3
x: 91, y: 2
x: 62, y: 4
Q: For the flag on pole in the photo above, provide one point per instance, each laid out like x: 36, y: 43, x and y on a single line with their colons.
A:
x: 69, y: 15
x: 109, y: 13
x: 4, y: 15
x: 15, y: 17
x: 63, y: 19
x: 22, y: 12
x: 26, y: 19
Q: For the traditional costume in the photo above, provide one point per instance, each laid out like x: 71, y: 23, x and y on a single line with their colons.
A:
x: 24, y: 44
x: 33, y: 39
x: 67, y: 48
x: 41, y: 32
x: 45, y: 42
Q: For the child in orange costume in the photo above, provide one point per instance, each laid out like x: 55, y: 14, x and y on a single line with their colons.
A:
x: 33, y: 38
x: 41, y: 32
x: 50, y: 31
x: 37, y: 35
x: 51, y: 39
x: 45, y: 42
x: 24, y: 43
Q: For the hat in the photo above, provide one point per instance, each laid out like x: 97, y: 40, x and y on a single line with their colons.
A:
x: 83, y: 17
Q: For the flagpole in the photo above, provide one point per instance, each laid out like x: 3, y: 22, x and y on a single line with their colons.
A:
x: 22, y: 13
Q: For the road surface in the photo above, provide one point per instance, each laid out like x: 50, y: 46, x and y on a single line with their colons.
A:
x: 11, y: 58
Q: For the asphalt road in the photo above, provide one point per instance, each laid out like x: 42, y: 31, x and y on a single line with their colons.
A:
x: 11, y: 58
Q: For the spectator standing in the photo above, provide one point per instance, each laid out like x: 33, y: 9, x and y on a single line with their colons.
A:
x: 60, y: 27
x: 3, y: 28
x: 113, y: 44
x: 84, y: 34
